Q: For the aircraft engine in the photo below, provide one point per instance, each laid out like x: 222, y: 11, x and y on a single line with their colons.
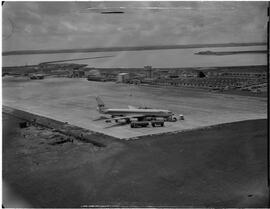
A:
x: 160, y: 119
x: 121, y: 121
x: 133, y: 119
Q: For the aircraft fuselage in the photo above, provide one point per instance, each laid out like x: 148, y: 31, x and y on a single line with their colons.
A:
x: 145, y: 112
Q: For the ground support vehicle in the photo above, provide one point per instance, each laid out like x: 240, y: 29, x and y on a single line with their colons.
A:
x: 157, y: 123
x: 136, y: 124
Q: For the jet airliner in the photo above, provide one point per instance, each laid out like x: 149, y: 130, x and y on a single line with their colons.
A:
x: 133, y: 113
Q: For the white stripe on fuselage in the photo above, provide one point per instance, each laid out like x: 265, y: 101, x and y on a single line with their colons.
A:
x: 154, y: 112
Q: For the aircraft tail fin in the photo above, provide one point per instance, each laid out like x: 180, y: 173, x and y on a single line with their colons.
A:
x: 131, y: 107
x: 101, y: 106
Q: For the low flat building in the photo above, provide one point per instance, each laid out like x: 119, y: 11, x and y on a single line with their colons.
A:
x: 122, y: 77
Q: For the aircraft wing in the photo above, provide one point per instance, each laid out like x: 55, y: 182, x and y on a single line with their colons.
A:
x: 125, y: 117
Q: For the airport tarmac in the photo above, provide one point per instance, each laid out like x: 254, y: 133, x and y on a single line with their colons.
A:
x: 72, y: 100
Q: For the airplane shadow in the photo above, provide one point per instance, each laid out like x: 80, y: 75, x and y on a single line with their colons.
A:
x: 116, y: 125
x: 100, y: 118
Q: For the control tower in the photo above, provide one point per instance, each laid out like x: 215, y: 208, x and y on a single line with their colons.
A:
x: 149, y: 71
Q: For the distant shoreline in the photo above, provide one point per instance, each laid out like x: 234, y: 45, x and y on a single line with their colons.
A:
x: 129, y: 48
x: 221, y: 53
x: 240, y: 68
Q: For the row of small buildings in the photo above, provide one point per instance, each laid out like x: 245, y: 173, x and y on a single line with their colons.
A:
x: 210, y: 83
x: 220, y: 77
x: 212, y: 79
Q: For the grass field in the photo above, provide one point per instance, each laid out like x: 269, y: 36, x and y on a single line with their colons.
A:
x: 73, y: 101
x: 223, y: 166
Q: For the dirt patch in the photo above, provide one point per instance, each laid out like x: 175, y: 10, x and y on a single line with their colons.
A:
x: 215, y: 167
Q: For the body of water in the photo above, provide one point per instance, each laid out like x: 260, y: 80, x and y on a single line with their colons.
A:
x: 155, y: 58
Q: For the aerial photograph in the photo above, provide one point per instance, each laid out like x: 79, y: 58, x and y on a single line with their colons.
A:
x: 135, y: 104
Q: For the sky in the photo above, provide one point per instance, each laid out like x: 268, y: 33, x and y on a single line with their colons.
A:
x: 56, y: 25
